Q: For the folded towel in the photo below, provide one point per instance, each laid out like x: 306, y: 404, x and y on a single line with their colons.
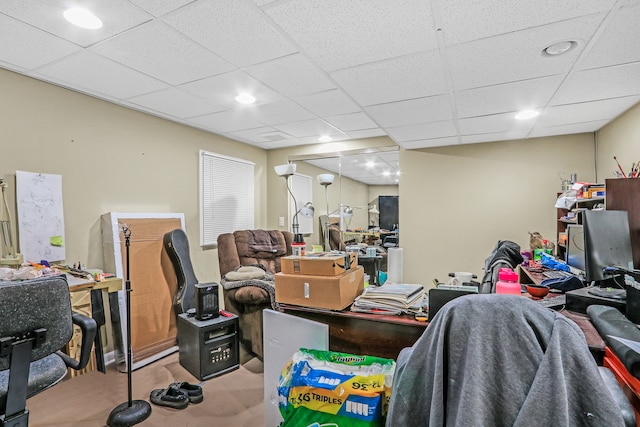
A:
x: 263, y: 241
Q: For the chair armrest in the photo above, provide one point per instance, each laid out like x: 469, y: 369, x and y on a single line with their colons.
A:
x: 89, y: 328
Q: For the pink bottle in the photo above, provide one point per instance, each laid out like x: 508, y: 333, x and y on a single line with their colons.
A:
x: 508, y: 282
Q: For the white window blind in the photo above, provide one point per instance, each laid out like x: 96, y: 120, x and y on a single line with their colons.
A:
x: 301, y: 187
x: 226, y: 196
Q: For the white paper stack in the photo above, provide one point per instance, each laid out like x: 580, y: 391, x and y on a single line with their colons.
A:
x: 390, y: 299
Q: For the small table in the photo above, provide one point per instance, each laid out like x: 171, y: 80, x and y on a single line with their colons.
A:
x: 362, y: 333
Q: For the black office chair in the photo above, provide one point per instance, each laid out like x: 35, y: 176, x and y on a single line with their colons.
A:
x: 36, y: 321
x: 390, y: 241
x: 497, y: 360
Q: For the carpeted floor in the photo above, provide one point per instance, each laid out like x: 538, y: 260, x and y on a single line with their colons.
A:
x: 234, y: 399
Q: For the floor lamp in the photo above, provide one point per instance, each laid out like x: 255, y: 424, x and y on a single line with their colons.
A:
x: 286, y: 171
x: 326, y: 179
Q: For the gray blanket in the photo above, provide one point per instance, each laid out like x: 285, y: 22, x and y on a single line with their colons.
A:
x: 267, y: 283
x: 500, y: 360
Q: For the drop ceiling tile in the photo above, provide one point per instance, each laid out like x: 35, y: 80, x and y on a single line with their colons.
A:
x: 568, y: 129
x: 366, y: 133
x: 586, y: 111
x: 526, y: 94
x: 292, y: 75
x: 342, y: 34
x: 160, y: 7
x: 429, y: 143
x: 328, y: 103
x: 226, y: 121
x: 422, y: 131
x: 336, y: 136
x: 618, y: 43
x: 413, y: 111
x: 176, y: 103
x: 116, y: 15
x: 280, y: 112
x: 261, y: 135
x: 492, y: 137
x: 463, y: 20
x: 161, y: 52
x: 504, y: 122
x: 401, y: 78
x: 94, y: 74
x: 233, y: 29
x: 222, y: 89
x: 308, y: 128
x: 350, y: 122
x: 518, y: 56
x: 282, y: 144
x: 601, y: 83
x: 26, y: 47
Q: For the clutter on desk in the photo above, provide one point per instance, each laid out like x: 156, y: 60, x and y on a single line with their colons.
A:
x: 323, y: 388
x: 508, y: 282
x: 391, y: 299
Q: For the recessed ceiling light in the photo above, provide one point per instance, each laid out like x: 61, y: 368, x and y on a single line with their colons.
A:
x: 386, y: 173
x: 246, y: 98
x: 527, y: 114
x: 325, y: 138
x: 371, y: 164
x: 82, y: 18
x: 559, y: 48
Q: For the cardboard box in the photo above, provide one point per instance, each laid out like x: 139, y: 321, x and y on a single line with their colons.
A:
x: 323, y: 264
x: 333, y: 293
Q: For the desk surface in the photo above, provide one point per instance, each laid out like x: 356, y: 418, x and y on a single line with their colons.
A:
x: 111, y: 284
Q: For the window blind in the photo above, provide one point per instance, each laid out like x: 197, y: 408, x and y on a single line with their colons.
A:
x: 226, y: 196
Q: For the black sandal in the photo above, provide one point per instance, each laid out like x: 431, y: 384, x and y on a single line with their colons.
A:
x: 171, y: 397
x: 193, y: 391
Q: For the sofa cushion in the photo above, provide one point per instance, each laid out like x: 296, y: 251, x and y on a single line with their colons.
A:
x: 243, y: 238
x: 252, y: 295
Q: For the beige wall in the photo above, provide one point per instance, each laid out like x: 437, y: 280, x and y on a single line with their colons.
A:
x: 621, y: 138
x: 457, y: 202
x: 112, y: 159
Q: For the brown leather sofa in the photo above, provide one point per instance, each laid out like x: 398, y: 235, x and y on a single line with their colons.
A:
x: 247, y: 302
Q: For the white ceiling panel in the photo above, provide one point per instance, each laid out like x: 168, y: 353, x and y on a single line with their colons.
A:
x: 610, y: 82
x: 328, y: 103
x: 222, y: 89
x: 292, y: 75
x: 92, y: 73
x: 586, y: 112
x: 26, y: 47
x: 518, y: 56
x: 161, y: 52
x: 117, y: 16
x: 227, y: 121
x: 176, y: 103
x: 160, y: 7
x: 424, y: 73
x: 350, y: 122
x: 340, y: 34
x: 568, y: 129
x: 413, y: 111
x: 233, y: 29
x: 521, y: 95
x: 308, y: 128
x: 465, y: 21
x: 404, y: 77
x: 619, y: 43
x: 421, y: 131
x: 280, y: 112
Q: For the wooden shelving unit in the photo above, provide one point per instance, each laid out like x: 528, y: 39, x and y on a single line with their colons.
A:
x: 563, y: 222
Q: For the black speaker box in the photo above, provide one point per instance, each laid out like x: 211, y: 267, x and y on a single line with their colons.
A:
x: 580, y: 299
x: 207, y: 306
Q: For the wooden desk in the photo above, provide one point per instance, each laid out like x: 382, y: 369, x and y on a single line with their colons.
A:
x: 361, y: 333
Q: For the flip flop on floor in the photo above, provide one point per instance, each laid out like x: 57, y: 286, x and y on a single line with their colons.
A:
x: 193, y: 391
x: 171, y: 397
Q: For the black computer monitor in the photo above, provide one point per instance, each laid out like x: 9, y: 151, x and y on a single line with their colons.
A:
x: 607, y: 243
x: 575, y: 247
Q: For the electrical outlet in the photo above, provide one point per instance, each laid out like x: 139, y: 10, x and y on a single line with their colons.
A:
x: 281, y: 221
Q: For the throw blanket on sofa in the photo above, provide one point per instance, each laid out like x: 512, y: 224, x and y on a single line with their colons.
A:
x: 251, y: 276
x: 263, y: 241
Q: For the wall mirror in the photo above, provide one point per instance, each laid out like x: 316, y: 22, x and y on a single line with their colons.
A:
x: 370, y: 173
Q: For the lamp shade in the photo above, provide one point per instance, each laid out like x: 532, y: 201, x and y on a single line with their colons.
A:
x: 373, y: 210
x: 285, y: 170
x: 307, y: 210
x: 325, y: 179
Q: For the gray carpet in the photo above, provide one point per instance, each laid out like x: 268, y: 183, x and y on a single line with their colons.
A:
x: 233, y: 400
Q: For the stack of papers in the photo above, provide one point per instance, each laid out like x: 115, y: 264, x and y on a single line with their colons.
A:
x: 390, y: 299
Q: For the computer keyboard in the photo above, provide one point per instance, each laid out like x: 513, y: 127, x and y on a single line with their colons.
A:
x: 551, y: 302
x: 556, y: 274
